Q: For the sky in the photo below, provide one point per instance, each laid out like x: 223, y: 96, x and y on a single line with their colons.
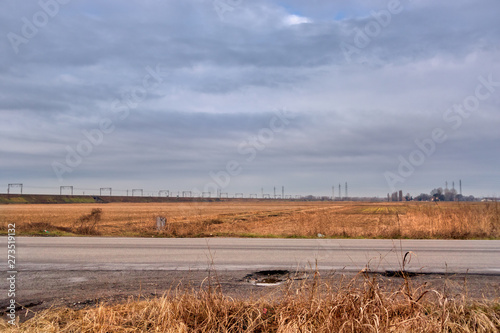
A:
x: 242, y: 96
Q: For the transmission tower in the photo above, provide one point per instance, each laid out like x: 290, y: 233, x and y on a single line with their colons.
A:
x: 61, y: 188
x: 13, y: 186
x: 165, y: 193
x: 105, y: 189
x: 346, y: 190
x: 137, y: 190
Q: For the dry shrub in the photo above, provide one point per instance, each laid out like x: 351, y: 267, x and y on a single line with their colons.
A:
x: 307, y: 306
x: 87, y: 223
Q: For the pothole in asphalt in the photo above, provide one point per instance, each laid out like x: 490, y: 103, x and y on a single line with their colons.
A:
x: 400, y: 274
x: 272, y: 277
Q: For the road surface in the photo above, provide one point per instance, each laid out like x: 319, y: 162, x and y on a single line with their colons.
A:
x: 76, y: 272
x: 108, y: 254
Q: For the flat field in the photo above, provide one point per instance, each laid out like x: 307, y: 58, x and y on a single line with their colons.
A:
x: 266, y: 218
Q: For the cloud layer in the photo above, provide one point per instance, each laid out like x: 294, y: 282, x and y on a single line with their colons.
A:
x: 162, y: 95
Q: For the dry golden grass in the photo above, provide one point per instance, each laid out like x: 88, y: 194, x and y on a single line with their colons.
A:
x: 311, y: 306
x: 266, y: 219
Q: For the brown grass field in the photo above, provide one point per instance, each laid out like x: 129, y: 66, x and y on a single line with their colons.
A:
x: 267, y: 218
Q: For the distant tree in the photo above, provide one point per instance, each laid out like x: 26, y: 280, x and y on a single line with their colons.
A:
x: 423, y: 197
x: 449, y: 195
x: 469, y: 198
x: 437, y: 194
x: 437, y: 191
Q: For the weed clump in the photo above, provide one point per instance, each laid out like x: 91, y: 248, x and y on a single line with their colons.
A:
x: 87, y: 223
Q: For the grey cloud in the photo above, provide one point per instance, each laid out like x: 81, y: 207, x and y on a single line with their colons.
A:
x: 223, y: 79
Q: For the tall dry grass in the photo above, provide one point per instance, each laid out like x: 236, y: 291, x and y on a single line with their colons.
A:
x: 310, y: 306
x: 271, y: 219
x: 133, y: 219
x: 354, y: 220
x: 411, y: 220
x: 454, y: 221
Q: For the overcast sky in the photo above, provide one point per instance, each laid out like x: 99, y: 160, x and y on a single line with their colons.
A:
x: 243, y: 95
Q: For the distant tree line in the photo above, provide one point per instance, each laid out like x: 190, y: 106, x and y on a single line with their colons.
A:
x: 438, y: 194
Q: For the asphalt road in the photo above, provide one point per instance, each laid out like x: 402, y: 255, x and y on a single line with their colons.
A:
x: 122, y: 254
